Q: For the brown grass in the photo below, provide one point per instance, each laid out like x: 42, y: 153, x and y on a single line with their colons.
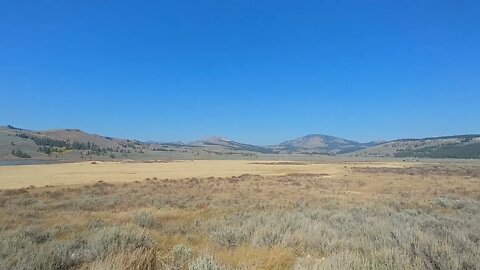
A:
x: 326, y: 216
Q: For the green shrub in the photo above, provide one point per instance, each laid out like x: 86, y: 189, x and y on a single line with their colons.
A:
x: 228, y: 237
x: 20, y: 154
x: 112, y: 239
x: 182, y: 253
x: 144, y: 219
x: 205, y: 262
x: 37, y: 249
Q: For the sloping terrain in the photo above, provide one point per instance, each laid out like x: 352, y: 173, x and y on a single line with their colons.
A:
x: 460, y: 146
x: 322, y: 144
x: 66, y: 144
x: 77, y: 145
x: 222, y: 143
x: 76, y: 135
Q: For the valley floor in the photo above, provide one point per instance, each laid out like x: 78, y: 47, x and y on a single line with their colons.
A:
x: 241, y: 215
x: 129, y: 171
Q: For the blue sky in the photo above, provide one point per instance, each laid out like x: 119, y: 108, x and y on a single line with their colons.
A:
x: 254, y: 71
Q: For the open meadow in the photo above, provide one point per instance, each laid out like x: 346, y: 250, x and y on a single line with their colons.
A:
x: 241, y: 215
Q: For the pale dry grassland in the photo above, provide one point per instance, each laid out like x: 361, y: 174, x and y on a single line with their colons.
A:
x: 86, y: 172
x: 336, y: 215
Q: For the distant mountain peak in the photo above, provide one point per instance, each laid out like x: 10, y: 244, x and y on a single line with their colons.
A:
x: 213, y: 140
x: 320, y: 143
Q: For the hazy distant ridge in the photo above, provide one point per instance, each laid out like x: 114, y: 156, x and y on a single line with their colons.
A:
x: 319, y: 143
x: 74, y: 144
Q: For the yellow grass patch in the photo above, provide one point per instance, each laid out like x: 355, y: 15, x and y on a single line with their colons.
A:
x: 85, y: 172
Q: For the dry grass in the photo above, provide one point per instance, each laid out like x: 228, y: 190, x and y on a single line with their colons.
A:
x: 337, y: 217
x: 86, y: 172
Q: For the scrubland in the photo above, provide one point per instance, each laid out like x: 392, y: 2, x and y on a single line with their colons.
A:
x: 356, y: 216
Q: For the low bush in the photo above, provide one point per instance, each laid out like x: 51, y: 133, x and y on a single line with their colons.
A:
x: 37, y: 249
x: 144, y: 219
x: 205, y: 262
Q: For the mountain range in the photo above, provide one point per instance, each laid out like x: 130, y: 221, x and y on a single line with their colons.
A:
x: 74, y: 144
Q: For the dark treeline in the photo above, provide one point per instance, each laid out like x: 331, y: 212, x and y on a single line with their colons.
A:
x: 467, y: 151
x: 49, y: 145
x: 20, y: 154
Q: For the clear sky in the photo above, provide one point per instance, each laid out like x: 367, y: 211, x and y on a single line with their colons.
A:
x: 254, y: 71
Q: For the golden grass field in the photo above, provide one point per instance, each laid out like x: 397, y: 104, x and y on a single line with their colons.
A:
x: 241, y: 215
x: 86, y: 172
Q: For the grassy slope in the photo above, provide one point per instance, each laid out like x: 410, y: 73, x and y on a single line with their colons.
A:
x: 463, y: 147
x: 114, y: 148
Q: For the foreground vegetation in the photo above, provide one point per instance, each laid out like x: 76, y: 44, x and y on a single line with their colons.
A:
x: 424, y: 217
